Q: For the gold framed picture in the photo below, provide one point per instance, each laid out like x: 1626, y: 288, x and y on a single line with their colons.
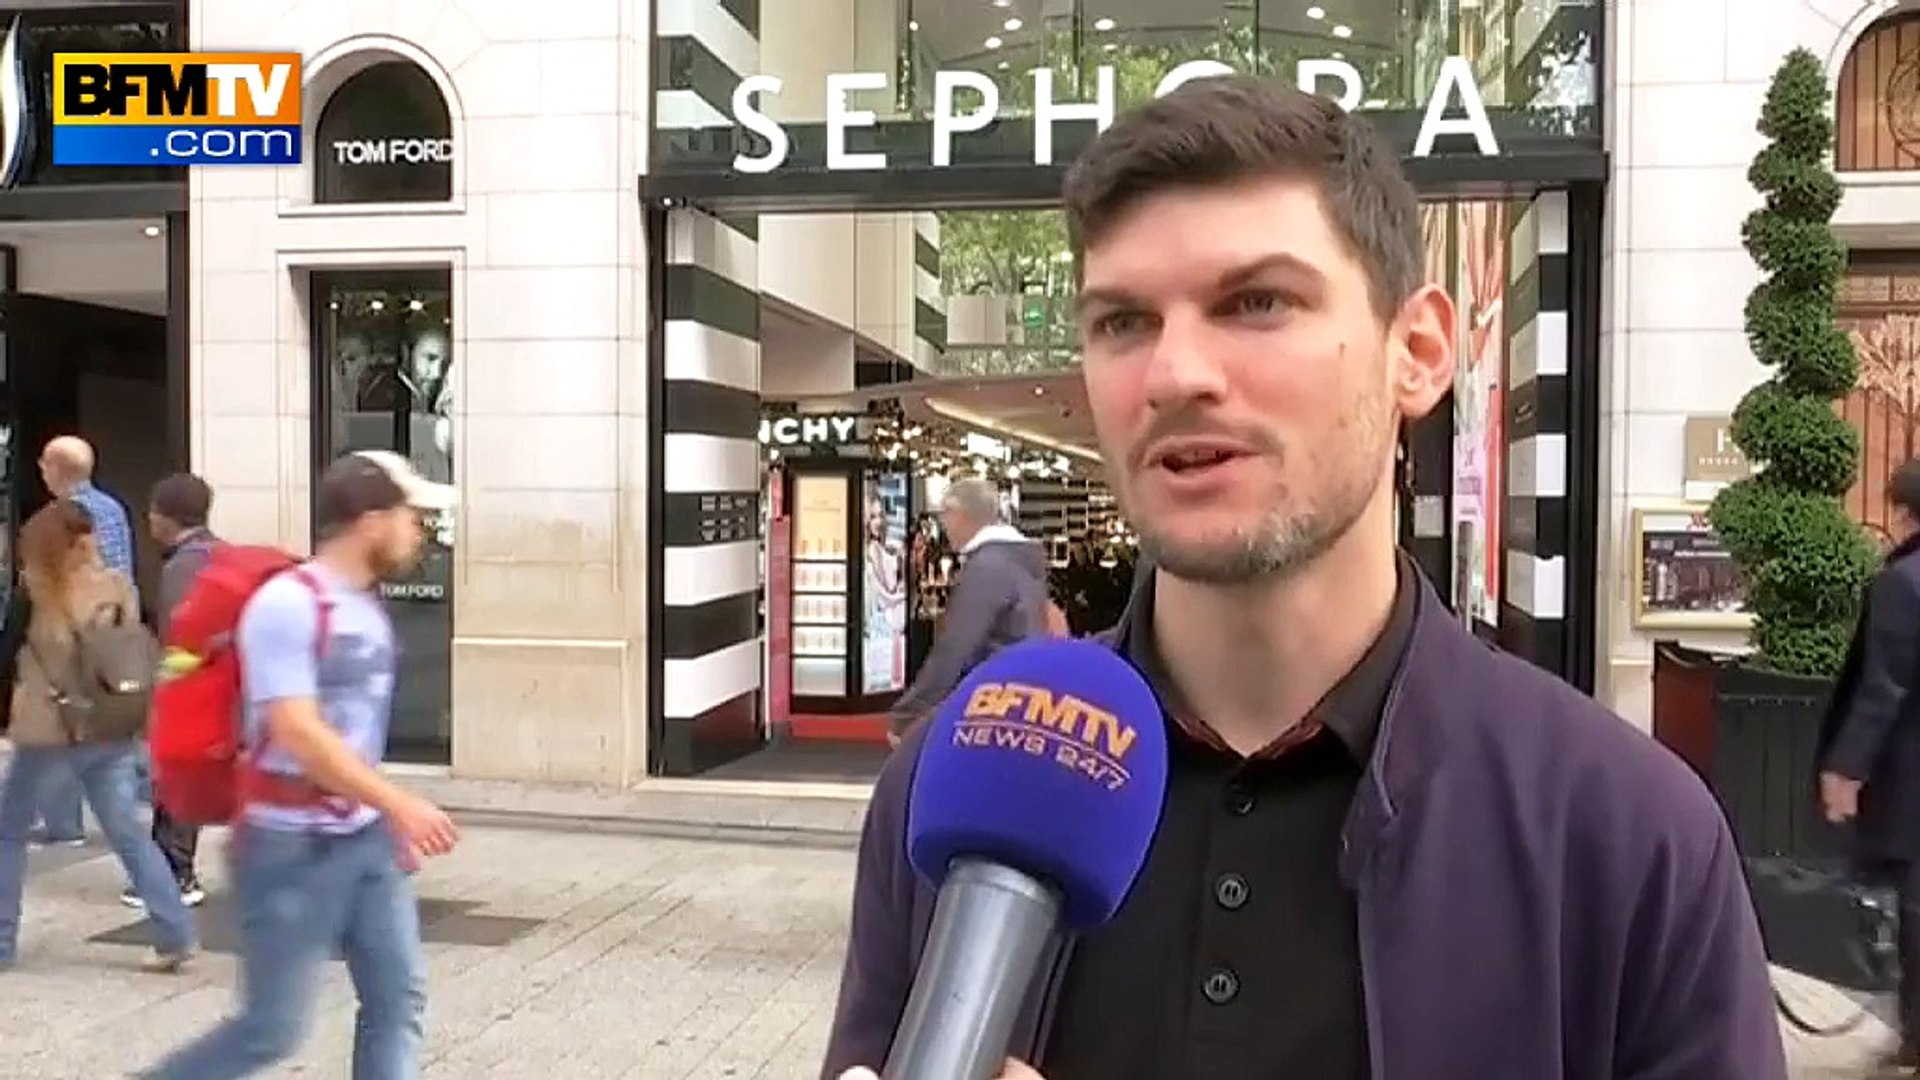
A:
x: 1683, y: 577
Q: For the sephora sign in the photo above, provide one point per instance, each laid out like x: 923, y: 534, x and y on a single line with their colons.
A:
x: 1455, y: 107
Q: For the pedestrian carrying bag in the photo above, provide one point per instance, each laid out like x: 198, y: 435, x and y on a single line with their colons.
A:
x: 196, y: 740
x: 104, y: 691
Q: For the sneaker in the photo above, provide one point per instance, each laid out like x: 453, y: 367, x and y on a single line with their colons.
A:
x: 167, y: 962
x: 191, y: 894
x: 42, y: 840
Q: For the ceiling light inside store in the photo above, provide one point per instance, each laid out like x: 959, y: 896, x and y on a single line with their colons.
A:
x: 1014, y: 24
x: 151, y: 230
x: 377, y: 305
x: 1003, y: 65
x: 1343, y: 31
x: 994, y: 43
x: 913, y: 25
x: 416, y: 305
x: 1316, y: 13
x: 1103, y: 25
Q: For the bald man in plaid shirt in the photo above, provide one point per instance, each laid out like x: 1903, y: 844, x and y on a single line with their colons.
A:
x: 66, y: 465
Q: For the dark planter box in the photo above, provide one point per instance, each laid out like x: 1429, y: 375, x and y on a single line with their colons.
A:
x: 1752, y: 735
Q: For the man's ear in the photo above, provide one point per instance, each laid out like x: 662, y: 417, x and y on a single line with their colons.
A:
x: 1422, y: 349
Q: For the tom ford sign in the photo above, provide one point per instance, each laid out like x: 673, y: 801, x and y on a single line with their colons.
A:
x: 401, y: 151
x: 1455, y: 107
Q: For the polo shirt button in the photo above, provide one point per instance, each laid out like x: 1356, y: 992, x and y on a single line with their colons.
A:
x: 1239, y: 801
x: 1231, y: 891
x: 1222, y: 986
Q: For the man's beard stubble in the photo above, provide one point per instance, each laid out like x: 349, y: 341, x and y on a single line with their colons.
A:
x: 1287, y: 539
x: 387, y: 566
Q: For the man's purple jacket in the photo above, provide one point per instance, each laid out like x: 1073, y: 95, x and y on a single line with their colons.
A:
x: 1543, y: 892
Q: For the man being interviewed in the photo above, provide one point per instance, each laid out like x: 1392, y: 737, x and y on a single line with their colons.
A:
x: 1386, y: 851
x: 318, y: 867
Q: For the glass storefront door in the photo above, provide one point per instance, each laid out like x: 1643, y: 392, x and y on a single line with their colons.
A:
x: 382, y: 380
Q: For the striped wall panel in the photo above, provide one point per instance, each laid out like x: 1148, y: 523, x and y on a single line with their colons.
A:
x: 709, y: 589
x: 929, y: 299
x: 701, y: 50
x: 1533, y: 609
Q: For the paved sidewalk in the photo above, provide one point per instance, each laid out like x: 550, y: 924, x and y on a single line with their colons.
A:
x: 585, y: 955
x: 581, y: 955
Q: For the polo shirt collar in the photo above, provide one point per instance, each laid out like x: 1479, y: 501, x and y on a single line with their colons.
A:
x: 1351, y: 710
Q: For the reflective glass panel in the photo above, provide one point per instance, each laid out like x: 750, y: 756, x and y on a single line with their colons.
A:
x: 385, y: 365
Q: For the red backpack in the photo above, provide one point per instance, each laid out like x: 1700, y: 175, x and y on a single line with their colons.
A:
x: 195, y: 737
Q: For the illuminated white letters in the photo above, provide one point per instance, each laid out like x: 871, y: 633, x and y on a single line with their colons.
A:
x: 840, y: 118
x: 809, y: 430
x: 1456, y: 74
x: 945, y: 123
x: 751, y: 118
x: 1189, y: 71
x: 1338, y: 80
x: 1308, y: 73
x: 1048, y: 112
x: 392, y: 151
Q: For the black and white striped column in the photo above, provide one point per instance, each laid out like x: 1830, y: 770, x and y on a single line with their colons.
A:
x: 702, y: 48
x: 708, y: 588
x: 1533, y: 607
x: 711, y: 475
x: 929, y: 299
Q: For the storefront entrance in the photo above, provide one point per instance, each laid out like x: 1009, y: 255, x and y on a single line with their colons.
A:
x: 382, y: 381
x: 93, y: 283
x: 925, y: 152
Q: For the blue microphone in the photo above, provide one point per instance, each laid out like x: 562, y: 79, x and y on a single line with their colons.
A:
x: 1035, y: 800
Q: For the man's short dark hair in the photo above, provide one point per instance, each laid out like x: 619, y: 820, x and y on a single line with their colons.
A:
x: 1903, y: 488
x: 1231, y: 129
x: 351, y: 488
x: 183, y: 499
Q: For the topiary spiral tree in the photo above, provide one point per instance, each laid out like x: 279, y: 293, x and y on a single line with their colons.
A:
x: 1804, y: 559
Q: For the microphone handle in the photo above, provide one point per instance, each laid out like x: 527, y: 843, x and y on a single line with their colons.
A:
x: 991, y: 927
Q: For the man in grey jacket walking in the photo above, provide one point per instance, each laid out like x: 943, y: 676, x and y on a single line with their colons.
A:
x: 999, y: 597
x: 177, y: 517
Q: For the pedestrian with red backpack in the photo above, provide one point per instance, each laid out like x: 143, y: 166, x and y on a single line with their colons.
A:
x: 322, y: 841
x: 177, y: 513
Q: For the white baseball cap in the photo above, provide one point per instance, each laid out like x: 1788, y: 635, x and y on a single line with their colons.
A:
x: 420, y: 492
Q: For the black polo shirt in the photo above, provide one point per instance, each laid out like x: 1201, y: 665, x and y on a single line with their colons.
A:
x: 1237, y: 955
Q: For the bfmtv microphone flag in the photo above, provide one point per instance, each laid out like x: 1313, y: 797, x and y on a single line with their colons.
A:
x: 1052, y: 758
x: 1035, y: 800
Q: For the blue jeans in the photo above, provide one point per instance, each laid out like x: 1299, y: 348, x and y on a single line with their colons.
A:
x: 105, y: 774
x: 60, y: 811
x: 302, y: 898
